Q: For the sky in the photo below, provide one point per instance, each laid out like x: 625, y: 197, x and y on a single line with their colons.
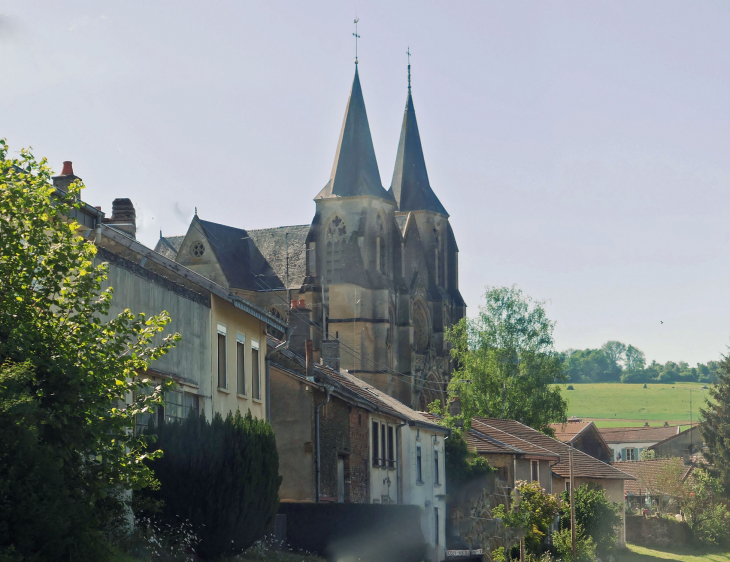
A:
x: 582, y: 150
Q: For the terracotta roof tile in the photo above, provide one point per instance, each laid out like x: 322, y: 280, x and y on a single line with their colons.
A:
x: 637, y: 434
x: 648, y: 474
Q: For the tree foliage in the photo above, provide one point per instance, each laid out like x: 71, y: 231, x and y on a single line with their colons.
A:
x: 221, y: 476
x: 506, y: 362
x: 595, y: 515
x: 462, y: 466
x: 67, y: 371
x: 715, y: 425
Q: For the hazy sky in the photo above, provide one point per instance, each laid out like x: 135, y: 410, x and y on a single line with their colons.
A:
x: 581, y: 148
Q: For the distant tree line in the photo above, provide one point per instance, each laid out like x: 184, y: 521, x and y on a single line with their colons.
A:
x: 618, y: 362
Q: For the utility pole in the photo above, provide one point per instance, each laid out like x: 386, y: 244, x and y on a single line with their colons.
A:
x: 572, y: 503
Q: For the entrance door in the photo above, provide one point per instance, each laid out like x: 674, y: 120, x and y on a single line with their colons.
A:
x: 341, y: 479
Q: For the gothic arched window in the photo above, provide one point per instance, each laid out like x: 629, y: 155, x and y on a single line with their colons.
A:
x: 380, y: 244
x: 335, y: 239
x: 420, y: 328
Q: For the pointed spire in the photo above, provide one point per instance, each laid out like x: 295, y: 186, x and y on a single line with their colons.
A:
x: 355, y: 170
x: 411, y: 188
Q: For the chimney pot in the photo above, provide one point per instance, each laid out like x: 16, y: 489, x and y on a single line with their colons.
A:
x: 294, y: 303
x: 68, y: 169
x: 302, y: 303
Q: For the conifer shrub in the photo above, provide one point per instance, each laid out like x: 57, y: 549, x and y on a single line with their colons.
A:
x: 220, y: 476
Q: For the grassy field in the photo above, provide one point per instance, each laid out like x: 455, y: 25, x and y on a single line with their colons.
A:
x: 617, y: 404
x: 641, y: 554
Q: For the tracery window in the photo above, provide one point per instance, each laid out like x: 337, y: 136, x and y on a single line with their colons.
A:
x: 420, y: 328
x: 335, y: 239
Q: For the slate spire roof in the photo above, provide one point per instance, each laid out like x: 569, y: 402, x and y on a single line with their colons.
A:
x: 410, y: 187
x: 355, y: 170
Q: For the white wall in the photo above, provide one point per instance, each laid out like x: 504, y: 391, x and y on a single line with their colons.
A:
x: 617, y: 448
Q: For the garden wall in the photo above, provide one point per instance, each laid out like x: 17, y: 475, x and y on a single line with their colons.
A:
x: 656, y: 531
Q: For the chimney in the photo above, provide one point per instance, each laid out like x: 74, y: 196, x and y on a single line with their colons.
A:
x: 124, y: 217
x: 331, y: 354
x: 309, y: 359
x: 299, y: 319
x: 66, y: 177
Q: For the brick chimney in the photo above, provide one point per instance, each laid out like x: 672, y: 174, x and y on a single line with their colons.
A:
x: 331, y: 353
x: 124, y: 217
x: 66, y: 177
x: 299, y: 319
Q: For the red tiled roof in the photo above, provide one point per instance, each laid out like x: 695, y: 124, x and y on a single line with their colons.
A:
x: 584, y: 466
x: 480, y: 442
x: 638, y: 434
x: 565, y: 432
x: 527, y: 447
x: 649, y: 474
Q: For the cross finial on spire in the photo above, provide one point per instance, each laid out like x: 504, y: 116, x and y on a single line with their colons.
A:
x: 356, y: 38
x: 408, y: 52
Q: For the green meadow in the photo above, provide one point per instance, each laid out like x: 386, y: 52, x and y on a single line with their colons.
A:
x: 618, y: 404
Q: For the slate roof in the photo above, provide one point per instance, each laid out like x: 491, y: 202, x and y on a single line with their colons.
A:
x: 232, y: 250
x: 637, y: 434
x: 584, y: 466
x: 273, y: 243
x: 648, y: 474
x: 355, y: 170
x: 169, y: 246
x: 410, y: 186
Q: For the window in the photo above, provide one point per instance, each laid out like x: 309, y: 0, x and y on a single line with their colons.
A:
x: 376, y: 433
x: 419, y: 468
x: 176, y: 407
x: 240, y: 364
x: 567, y: 486
x: 221, y: 357
x: 383, y: 456
x: 436, y: 467
x: 255, y: 371
x: 379, y: 244
x: 630, y: 454
x: 335, y: 236
x: 535, y: 471
x: 391, y: 455
x: 436, y: 520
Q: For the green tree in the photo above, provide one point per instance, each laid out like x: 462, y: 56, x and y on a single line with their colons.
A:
x: 615, y: 351
x: 533, y: 510
x: 590, y: 365
x: 594, y: 514
x: 67, y: 371
x: 221, y: 476
x: 635, y: 359
x: 506, y: 362
x: 715, y: 425
x: 462, y: 466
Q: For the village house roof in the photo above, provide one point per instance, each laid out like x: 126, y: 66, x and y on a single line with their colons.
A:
x: 350, y: 386
x: 355, y: 170
x: 481, y: 443
x: 675, y: 436
x: 638, y: 434
x: 410, y: 186
x: 648, y: 474
x: 570, y: 430
x: 584, y: 466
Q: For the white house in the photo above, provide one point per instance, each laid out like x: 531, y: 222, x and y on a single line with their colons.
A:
x: 626, y: 443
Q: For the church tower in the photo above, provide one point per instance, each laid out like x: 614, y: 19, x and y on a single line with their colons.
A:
x: 430, y: 256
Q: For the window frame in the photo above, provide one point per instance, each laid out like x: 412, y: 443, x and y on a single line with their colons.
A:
x: 419, y: 464
x: 375, y: 442
x: 255, y: 370
x: 222, y: 357
x: 535, y: 471
x: 437, y: 471
x: 630, y: 452
x: 241, y: 364
x: 391, y: 446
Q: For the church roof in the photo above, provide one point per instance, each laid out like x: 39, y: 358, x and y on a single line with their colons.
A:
x: 231, y: 248
x: 410, y: 187
x: 169, y: 246
x: 355, y: 170
x: 273, y: 244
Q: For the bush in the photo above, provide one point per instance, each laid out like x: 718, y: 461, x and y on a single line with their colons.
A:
x: 595, y: 515
x: 570, y: 387
x: 585, y: 548
x: 222, y: 477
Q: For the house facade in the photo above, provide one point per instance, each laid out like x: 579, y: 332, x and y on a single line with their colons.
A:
x: 584, y: 436
x: 342, y: 440
x: 627, y: 443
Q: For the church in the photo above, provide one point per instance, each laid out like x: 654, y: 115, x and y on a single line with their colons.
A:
x: 373, y: 281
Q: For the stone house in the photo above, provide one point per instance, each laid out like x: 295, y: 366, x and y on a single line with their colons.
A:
x: 377, y: 268
x: 219, y: 365
x: 683, y: 444
x: 342, y: 440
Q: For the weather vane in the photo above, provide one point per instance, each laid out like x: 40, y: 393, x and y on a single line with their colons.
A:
x: 356, y: 38
x: 408, y: 52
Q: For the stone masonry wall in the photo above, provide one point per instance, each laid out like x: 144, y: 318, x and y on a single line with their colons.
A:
x: 656, y: 531
x: 359, y: 456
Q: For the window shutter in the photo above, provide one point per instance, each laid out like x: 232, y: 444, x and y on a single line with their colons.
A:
x: 623, y: 454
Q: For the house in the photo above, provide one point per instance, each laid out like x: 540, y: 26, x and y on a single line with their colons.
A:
x: 652, y: 486
x: 584, y: 436
x: 683, y: 444
x: 626, y: 443
x: 219, y: 365
x: 342, y: 440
